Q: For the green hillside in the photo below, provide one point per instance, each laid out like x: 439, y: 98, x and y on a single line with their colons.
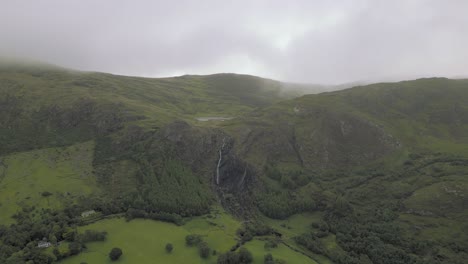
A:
x: 371, y: 174
x: 398, y: 149
x: 184, y: 96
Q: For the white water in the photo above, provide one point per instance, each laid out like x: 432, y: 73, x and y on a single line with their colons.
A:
x: 243, y: 177
x: 219, y: 161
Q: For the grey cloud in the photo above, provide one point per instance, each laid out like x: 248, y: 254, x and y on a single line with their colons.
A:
x: 302, y: 41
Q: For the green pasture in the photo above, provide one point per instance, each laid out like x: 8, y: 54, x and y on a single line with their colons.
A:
x: 282, y: 252
x: 65, y: 173
x: 144, y: 241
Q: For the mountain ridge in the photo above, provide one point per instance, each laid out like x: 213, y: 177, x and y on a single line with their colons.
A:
x: 368, y: 154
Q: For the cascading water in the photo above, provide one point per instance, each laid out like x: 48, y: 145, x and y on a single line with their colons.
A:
x: 219, y: 161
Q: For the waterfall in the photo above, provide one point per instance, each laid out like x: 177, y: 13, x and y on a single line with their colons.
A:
x: 243, y: 177
x: 219, y: 161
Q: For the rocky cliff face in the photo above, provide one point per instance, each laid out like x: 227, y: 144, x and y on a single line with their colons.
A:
x: 207, y: 152
x: 311, y: 139
x: 211, y: 152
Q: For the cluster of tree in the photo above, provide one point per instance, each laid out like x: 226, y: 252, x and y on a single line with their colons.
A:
x: 364, y: 215
x: 19, y: 241
x: 279, y: 204
x: 312, y: 243
x: 251, y: 229
x: 242, y: 256
x: 77, y: 242
x: 92, y: 235
x: 53, y: 125
x: 173, y: 188
x: 159, y: 216
x: 270, y: 243
x: 204, y: 250
x: 322, y: 229
x: 165, y: 185
x: 290, y: 180
x: 127, y: 204
x: 372, y: 236
x: 196, y: 240
x: 193, y: 240
x: 269, y: 259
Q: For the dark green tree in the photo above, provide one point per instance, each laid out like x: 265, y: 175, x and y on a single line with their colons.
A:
x: 115, y: 254
x: 204, y: 250
x: 74, y: 248
x: 228, y: 258
x: 192, y: 240
x: 268, y: 259
x: 245, y: 257
x: 169, y: 247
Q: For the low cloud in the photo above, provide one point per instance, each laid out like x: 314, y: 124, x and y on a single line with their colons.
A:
x: 299, y: 41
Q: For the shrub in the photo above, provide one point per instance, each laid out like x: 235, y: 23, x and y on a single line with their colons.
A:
x: 169, y: 247
x: 268, y: 259
x: 242, y: 257
x: 245, y: 256
x: 91, y: 235
x: 46, y: 194
x: 192, y: 240
x: 203, y: 250
x: 74, y: 248
x: 270, y: 244
x: 115, y: 254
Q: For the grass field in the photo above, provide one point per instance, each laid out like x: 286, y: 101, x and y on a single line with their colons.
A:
x: 282, y: 252
x: 144, y: 241
x: 63, y: 172
x: 294, y: 225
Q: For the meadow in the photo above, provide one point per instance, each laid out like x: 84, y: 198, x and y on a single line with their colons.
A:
x: 45, y: 178
x: 144, y: 241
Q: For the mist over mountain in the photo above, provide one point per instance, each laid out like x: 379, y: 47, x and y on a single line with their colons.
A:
x: 216, y: 132
x: 300, y: 41
x: 268, y: 161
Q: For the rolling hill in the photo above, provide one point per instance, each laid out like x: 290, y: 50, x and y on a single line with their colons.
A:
x: 370, y: 174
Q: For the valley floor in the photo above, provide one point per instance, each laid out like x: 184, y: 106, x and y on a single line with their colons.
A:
x: 144, y: 241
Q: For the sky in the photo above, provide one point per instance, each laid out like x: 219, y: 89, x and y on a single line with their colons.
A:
x: 307, y: 41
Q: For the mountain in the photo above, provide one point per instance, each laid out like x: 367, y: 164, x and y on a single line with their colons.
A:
x: 370, y: 174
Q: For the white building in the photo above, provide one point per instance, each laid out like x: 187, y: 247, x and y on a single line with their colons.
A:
x: 88, y: 213
x: 43, y: 244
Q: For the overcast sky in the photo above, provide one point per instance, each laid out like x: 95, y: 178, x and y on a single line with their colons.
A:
x: 301, y: 41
